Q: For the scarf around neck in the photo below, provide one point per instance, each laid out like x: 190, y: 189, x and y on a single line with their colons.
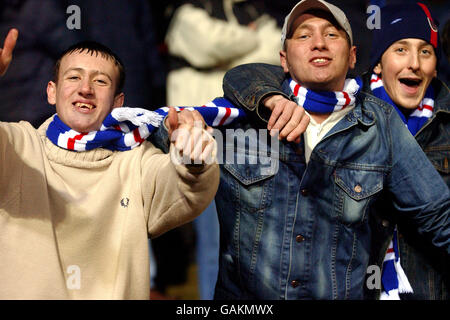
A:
x: 418, y: 117
x: 126, y: 128
x: 393, y: 277
x: 326, y: 101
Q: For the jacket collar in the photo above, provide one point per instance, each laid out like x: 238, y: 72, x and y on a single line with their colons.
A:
x: 442, y: 100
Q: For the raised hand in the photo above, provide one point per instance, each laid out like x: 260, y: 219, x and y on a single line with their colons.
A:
x: 7, y: 50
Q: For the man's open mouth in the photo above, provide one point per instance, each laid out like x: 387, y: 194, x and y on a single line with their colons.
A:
x: 411, y: 82
x: 320, y: 60
x: 83, y: 105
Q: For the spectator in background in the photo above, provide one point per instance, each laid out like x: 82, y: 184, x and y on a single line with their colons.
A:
x: 446, y: 41
x: 205, y: 39
x: 42, y: 25
x: 127, y: 28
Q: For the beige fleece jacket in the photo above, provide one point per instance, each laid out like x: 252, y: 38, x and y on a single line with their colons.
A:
x: 74, y: 225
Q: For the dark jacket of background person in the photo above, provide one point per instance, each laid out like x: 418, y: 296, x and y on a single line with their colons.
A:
x: 43, y: 35
x: 127, y: 28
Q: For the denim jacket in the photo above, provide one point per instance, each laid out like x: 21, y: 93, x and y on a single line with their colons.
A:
x: 302, y: 231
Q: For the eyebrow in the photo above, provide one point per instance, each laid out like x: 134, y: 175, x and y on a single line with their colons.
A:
x: 83, y: 70
x: 423, y: 43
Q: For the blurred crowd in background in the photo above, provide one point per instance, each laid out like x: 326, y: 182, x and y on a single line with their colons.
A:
x: 175, y: 53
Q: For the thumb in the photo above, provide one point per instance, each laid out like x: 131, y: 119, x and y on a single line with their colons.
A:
x: 7, y: 50
x: 172, y: 120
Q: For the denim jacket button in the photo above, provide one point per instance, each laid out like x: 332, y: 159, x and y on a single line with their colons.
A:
x: 299, y: 238
x: 357, y: 188
x: 304, y: 192
x: 295, y: 283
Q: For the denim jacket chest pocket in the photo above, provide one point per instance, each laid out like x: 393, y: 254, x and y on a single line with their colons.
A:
x: 253, y: 189
x: 355, y: 189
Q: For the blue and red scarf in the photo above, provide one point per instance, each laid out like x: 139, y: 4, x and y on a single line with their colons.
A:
x: 126, y: 128
x: 326, y: 101
x: 393, y: 277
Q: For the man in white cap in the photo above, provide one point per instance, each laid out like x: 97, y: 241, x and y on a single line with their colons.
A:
x: 303, y: 232
x: 404, y: 57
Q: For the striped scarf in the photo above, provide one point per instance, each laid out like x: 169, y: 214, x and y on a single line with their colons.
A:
x: 126, y: 128
x: 326, y: 101
x: 393, y: 277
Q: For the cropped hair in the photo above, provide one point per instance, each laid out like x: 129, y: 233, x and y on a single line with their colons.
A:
x: 93, y: 48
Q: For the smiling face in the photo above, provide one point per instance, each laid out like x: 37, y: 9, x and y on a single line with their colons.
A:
x: 318, y: 55
x: 84, y: 92
x: 407, y: 68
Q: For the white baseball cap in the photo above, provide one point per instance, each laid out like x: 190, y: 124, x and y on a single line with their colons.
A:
x: 305, y: 5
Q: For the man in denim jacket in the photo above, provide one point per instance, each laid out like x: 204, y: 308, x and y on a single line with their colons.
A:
x: 303, y: 230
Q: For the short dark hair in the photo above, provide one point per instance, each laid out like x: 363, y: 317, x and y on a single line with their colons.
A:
x: 93, y: 47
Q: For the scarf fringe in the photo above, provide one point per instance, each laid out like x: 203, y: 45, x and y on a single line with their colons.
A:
x: 403, y: 283
x: 137, y: 116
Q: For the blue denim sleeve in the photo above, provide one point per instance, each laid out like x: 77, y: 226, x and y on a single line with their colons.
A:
x: 160, y: 138
x: 419, y: 191
x: 246, y: 85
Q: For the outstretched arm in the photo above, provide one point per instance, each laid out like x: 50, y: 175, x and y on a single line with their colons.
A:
x: 7, y: 50
x: 183, y: 194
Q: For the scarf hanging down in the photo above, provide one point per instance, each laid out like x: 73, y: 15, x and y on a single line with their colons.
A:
x: 418, y: 117
x: 393, y: 277
x: 326, y: 101
x: 126, y: 128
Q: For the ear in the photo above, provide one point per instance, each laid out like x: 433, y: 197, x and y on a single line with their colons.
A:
x: 352, y: 57
x: 283, y: 61
x: 377, y: 69
x: 118, y: 100
x: 51, y: 93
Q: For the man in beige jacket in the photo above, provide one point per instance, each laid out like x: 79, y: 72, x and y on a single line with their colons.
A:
x: 74, y: 225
